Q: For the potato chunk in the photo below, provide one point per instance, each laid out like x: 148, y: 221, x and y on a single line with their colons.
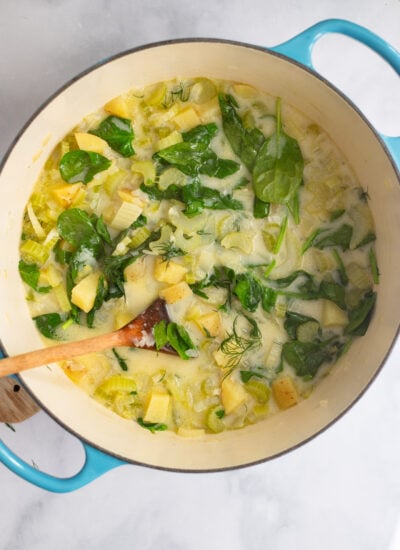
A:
x: 90, y: 142
x: 157, y: 407
x: 176, y: 293
x: 84, y: 293
x: 232, y: 395
x: 168, y: 271
x: 332, y: 315
x: 210, y: 323
x: 285, y: 392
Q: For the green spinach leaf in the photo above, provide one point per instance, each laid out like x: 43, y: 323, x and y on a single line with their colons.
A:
x: 278, y: 169
x: 48, y: 323
x: 118, y: 133
x: 360, y: 316
x: 82, y: 166
x: 152, y: 426
x: 30, y: 274
x: 121, y: 361
x: 340, y: 237
x: 245, y: 142
x: 293, y: 321
x: 307, y: 357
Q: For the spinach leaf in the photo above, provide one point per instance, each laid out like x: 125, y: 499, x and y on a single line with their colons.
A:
x: 342, y: 270
x: 98, y: 302
x: 48, y: 323
x: 245, y: 143
x: 121, y: 361
x: 370, y: 237
x: 360, y: 316
x: 246, y: 375
x: 260, y: 208
x: 152, y: 426
x: 293, y: 321
x: 82, y: 166
x: 75, y: 226
x: 30, y: 274
x: 268, y: 298
x: 307, y: 287
x: 179, y: 339
x: 334, y: 292
x: 118, y: 133
x: 307, y: 357
x: 340, y: 237
x: 193, y: 156
x: 249, y: 291
x: 278, y: 169
x: 195, y: 196
x: 175, y: 335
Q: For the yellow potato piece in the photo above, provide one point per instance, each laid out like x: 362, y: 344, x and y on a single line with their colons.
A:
x: 210, y: 323
x: 168, y: 271
x: 118, y: 107
x: 176, y: 293
x: 89, y: 142
x: 65, y: 194
x: 157, y: 407
x: 187, y: 119
x: 84, y: 293
x: 285, y: 392
x: 332, y: 315
x: 232, y: 395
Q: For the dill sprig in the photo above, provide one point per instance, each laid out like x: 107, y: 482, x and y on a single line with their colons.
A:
x: 168, y: 250
x: 236, y: 344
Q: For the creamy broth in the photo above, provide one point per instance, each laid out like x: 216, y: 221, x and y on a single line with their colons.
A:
x: 235, y: 209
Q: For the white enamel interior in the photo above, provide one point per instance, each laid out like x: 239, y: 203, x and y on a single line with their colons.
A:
x: 319, y: 102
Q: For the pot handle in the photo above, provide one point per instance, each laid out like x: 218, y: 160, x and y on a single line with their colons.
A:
x: 96, y: 464
x: 300, y: 49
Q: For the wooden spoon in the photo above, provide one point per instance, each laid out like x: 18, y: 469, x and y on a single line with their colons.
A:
x: 137, y: 334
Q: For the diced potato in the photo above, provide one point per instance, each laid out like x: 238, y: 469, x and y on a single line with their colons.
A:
x: 64, y: 194
x: 89, y: 142
x: 157, y: 407
x: 84, y: 293
x: 168, y: 271
x: 332, y: 315
x: 190, y: 432
x: 176, y: 293
x: 208, y: 111
x: 285, y: 392
x: 62, y: 298
x: 172, y: 139
x: 210, y: 323
x: 136, y: 270
x: 118, y: 107
x: 232, y: 395
x: 187, y: 119
x: 50, y: 275
x: 126, y: 214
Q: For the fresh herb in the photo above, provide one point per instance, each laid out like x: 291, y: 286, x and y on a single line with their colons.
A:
x: 373, y: 266
x: 174, y: 335
x: 168, y: 250
x: 369, y: 237
x: 307, y: 357
x: 82, y: 166
x: 309, y: 242
x: 121, y: 361
x: 245, y: 142
x: 278, y: 169
x: 30, y: 274
x: 195, y: 196
x: 152, y: 426
x: 281, y: 235
x: 48, y: 324
x: 293, y: 321
x: 340, y: 237
x: 360, y: 316
x: 193, y: 156
x: 342, y: 270
x: 249, y: 290
x: 260, y: 208
x: 220, y: 413
x: 240, y: 342
x: 118, y: 133
x: 101, y: 293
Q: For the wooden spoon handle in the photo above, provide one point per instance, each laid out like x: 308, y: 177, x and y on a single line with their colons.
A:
x: 19, y: 363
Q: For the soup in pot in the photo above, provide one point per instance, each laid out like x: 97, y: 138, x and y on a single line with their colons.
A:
x: 237, y: 211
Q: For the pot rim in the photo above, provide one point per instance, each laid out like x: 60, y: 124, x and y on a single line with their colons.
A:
x: 228, y: 42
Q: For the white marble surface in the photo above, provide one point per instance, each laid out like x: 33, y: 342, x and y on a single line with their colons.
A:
x: 341, y: 490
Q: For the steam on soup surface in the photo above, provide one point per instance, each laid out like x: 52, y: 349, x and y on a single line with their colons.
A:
x: 235, y: 209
